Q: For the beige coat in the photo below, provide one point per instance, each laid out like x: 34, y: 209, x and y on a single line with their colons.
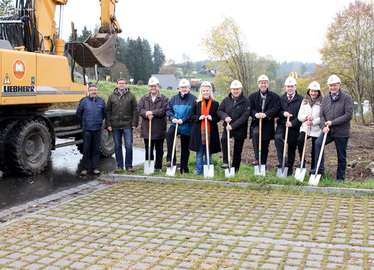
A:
x: 315, y: 111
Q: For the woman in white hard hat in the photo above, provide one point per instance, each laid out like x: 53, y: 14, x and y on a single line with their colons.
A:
x: 205, y: 107
x: 309, y: 115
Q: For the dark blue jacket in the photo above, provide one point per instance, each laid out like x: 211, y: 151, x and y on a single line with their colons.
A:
x: 91, y: 113
x: 180, y: 107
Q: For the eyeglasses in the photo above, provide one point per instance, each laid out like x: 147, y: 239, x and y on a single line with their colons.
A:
x: 263, y: 83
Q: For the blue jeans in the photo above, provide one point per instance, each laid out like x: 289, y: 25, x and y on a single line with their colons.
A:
x: 117, y: 136
x: 91, y: 149
x: 341, y: 149
x: 199, y: 159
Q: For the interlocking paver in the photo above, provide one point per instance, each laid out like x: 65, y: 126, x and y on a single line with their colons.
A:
x: 161, y: 226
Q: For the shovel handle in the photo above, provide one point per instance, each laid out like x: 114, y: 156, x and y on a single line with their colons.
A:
x: 259, y: 141
x: 321, y: 152
x: 305, y: 140
x: 207, y: 141
x: 228, y: 149
x: 286, y: 138
x: 175, y: 138
x: 149, y: 133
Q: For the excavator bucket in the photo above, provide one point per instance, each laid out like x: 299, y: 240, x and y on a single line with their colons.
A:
x: 97, y: 49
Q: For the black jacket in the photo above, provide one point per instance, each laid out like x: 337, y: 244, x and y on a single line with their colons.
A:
x: 271, y: 108
x: 239, y: 112
x: 293, y: 108
x: 195, y: 138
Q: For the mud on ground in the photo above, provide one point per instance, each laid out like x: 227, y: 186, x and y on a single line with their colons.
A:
x: 360, y: 149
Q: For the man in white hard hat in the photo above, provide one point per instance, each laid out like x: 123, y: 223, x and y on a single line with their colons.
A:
x: 178, y: 111
x: 336, y: 114
x: 290, y: 106
x: 265, y: 105
x: 234, y: 110
x: 152, y: 107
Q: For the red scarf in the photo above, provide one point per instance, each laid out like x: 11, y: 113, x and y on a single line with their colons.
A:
x: 205, y: 111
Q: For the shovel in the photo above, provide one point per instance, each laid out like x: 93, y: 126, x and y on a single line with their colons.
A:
x: 282, y: 172
x: 208, y: 169
x: 149, y: 165
x: 170, y: 171
x: 300, y: 172
x: 229, y: 172
x: 260, y: 169
x: 314, y: 178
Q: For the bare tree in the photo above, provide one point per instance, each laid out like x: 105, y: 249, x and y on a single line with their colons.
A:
x: 348, y: 50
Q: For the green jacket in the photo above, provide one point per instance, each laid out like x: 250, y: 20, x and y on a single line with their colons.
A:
x: 122, y: 110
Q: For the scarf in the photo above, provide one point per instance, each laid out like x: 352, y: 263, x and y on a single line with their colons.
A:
x: 205, y: 108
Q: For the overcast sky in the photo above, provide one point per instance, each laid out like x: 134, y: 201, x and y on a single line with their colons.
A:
x: 287, y: 30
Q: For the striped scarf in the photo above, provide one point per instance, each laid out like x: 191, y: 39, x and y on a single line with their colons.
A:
x: 205, y: 111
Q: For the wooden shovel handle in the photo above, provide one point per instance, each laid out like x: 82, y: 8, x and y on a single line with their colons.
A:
x: 305, y: 140
x: 286, y: 138
x: 207, y: 141
x: 175, y: 138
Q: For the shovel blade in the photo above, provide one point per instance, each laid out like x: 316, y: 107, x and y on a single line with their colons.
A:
x: 208, y: 171
x: 314, y: 179
x: 260, y: 170
x: 149, y: 167
x: 170, y: 171
x: 282, y: 173
x: 300, y: 174
x: 229, y: 172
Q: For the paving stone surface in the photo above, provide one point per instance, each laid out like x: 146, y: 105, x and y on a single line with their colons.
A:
x: 143, y: 225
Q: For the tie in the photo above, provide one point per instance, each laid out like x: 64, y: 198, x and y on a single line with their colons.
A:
x: 289, y: 98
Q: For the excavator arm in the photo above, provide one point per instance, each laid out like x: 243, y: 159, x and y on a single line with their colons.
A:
x: 36, y: 23
x: 98, y: 49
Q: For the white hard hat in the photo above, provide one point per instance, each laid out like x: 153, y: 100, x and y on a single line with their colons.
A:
x: 263, y: 78
x: 290, y: 81
x: 314, y: 86
x: 236, y: 84
x: 206, y: 83
x: 184, y: 82
x: 153, y: 81
x: 333, y: 79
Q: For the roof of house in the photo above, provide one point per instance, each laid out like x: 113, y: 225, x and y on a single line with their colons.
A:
x: 167, y: 81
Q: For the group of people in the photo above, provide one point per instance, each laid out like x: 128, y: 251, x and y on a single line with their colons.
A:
x: 196, y: 120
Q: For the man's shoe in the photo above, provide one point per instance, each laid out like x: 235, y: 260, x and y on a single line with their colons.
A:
x: 83, y: 173
x: 130, y: 170
x: 168, y: 164
x: 185, y: 171
x: 225, y: 166
x: 320, y: 171
x: 96, y: 172
x: 118, y: 170
x: 341, y: 180
x: 279, y: 165
x: 299, y: 164
x: 255, y: 162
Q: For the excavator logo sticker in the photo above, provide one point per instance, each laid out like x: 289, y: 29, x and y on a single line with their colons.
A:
x: 19, y: 69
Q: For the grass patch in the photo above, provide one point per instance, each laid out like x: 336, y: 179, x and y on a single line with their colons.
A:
x: 246, y: 175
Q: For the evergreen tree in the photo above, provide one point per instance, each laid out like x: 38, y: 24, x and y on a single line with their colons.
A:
x: 138, y: 59
x: 158, y: 58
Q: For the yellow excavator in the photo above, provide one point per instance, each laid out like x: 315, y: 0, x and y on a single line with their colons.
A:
x: 37, y: 70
